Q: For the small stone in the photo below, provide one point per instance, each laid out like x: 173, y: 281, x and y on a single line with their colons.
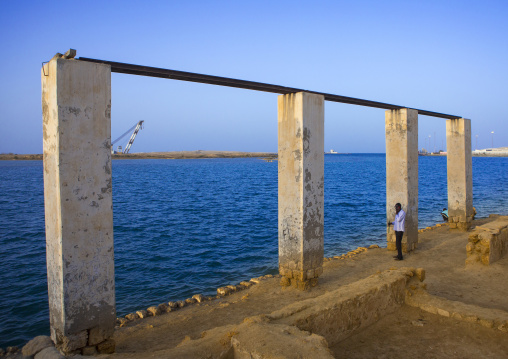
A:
x: 199, y: 297
x: 372, y: 246
x: 256, y: 280
x: 74, y: 341
x: 503, y: 327
x: 443, y: 312
x: 36, y: 345
x: 190, y: 301
x: 247, y: 284
x: 181, y: 304
x: 106, y: 347
x: 153, y: 311
x: 232, y: 288
x: 99, y: 334
x: 131, y: 316
x: 420, y: 273
x: 142, y: 314
x: 162, y: 308
x: 268, y: 276
x: 486, y: 323
x: 223, y: 291
x: 285, y: 282
x: 173, y: 305
x: 11, y: 350
x: 70, y: 54
x: 89, y: 350
x: 417, y: 323
x: 122, y: 321
x: 49, y: 353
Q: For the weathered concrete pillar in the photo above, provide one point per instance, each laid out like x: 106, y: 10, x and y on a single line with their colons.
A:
x: 76, y: 107
x: 402, y: 173
x: 301, y: 188
x: 460, y: 173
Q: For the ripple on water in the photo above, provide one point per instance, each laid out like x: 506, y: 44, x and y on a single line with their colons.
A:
x: 189, y: 226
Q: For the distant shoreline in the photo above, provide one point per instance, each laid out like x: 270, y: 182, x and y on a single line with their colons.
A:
x: 157, y: 155
x: 174, y: 155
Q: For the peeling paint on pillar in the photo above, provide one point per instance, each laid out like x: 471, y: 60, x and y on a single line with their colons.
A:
x: 76, y: 103
x: 301, y: 185
x: 402, y: 173
x: 460, y: 173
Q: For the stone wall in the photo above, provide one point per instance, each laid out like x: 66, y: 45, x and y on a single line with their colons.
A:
x: 488, y: 243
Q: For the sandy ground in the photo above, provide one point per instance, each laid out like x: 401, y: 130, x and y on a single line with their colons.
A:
x: 413, y: 333
x: 441, y: 252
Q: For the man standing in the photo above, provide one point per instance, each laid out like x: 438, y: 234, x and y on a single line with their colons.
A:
x: 398, y: 226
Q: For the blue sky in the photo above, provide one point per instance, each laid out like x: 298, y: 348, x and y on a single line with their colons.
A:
x: 443, y: 56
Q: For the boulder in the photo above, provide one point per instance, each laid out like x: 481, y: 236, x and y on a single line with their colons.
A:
x: 49, y: 353
x: 142, y: 313
x: 106, y: 347
x: 173, y: 305
x: 11, y: 350
x: 36, y: 345
x: 153, y: 311
x: 162, y: 308
x: 181, y: 303
x: 131, y: 316
x: 199, y: 297
x: 190, y: 300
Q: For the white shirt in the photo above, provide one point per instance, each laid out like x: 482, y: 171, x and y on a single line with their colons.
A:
x: 400, y: 221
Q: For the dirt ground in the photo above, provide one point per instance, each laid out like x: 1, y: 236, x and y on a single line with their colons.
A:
x: 413, y: 333
x: 440, y: 252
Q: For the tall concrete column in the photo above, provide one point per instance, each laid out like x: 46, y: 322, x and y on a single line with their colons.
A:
x: 76, y: 107
x: 301, y: 188
x: 402, y: 173
x: 460, y: 173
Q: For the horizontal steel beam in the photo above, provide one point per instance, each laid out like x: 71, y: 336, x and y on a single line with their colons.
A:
x: 123, y: 68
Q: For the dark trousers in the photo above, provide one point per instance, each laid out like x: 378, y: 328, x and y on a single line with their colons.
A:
x: 398, y: 243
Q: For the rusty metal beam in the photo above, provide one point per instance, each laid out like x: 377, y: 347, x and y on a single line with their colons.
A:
x: 131, y: 69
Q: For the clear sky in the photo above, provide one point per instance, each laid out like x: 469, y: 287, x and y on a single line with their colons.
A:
x: 442, y: 56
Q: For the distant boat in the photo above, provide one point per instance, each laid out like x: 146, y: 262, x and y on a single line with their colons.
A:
x: 332, y: 152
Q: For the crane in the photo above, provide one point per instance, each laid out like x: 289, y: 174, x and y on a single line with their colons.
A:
x: 138, y: 126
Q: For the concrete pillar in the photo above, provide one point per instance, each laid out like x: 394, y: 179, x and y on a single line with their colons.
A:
x: 402, y: 173
x: 76, y: 107
x: 460, y: 173
x: 301, y: 188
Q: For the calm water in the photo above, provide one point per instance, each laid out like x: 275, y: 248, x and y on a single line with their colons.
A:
x: 183, y: 227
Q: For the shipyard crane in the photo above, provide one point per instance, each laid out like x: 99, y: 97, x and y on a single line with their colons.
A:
x: 138, y: 126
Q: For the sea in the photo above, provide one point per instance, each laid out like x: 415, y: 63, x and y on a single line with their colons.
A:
x: 183, y: 227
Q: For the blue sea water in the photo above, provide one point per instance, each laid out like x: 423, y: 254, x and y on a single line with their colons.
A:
x: 183, y: 227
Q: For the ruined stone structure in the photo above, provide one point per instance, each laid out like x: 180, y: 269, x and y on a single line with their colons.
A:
x: 488, y: 243
x: 76, y: 101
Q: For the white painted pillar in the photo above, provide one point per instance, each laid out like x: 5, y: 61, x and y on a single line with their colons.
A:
x: 301, y: 188
x: 402, y: 173
x: 460, y: 173
x: 76, y: 106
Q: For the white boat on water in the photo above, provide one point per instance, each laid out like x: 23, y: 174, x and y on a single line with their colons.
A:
x: 332, y: 152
